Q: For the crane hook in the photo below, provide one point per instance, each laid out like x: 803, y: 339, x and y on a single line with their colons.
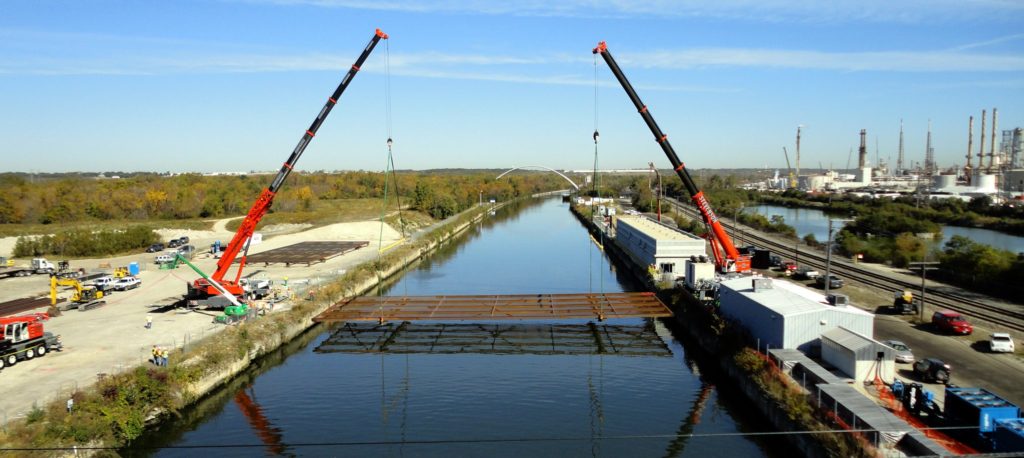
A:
x: 389, y: 142
x: 596, y: 136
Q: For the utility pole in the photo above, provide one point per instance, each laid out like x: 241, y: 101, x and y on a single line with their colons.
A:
x: 925, y: 266
x: 828, y: 254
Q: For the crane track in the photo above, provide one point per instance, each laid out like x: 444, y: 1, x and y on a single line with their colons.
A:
x: 1012, y: 319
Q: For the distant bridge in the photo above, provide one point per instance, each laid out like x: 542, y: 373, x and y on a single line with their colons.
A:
x: 574, y: 185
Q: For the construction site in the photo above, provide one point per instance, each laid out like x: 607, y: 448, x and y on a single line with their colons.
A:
x: 559, y: 321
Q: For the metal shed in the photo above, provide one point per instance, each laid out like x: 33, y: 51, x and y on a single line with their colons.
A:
x: 858, y: 356
x: 654, y: 244
x: 781, y: 314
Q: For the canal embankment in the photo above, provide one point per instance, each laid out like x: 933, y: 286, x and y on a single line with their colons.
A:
x: 119, y: 407
x: 779, y: 401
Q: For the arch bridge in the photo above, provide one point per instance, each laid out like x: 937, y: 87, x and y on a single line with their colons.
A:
x: 574, y: 185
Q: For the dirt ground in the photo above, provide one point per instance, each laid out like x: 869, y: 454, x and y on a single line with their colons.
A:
x: 113, y: 338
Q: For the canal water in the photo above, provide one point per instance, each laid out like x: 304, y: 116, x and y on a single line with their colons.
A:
x: 331, y: 393
x: 813, y: 221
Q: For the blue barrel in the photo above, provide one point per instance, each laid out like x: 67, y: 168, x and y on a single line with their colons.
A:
x: 133, y: 268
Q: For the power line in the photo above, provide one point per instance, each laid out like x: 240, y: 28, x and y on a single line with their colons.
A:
x: 482, y: 441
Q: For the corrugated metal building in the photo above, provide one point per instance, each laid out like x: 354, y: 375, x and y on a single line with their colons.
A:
x: 654, y: 244
x: 787, y: 315
x: 857, y: 355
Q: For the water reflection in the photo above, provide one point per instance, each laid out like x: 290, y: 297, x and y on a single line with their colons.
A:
x: 498, y: 339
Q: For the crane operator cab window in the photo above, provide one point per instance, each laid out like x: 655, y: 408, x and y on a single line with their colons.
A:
x: 16, y: 332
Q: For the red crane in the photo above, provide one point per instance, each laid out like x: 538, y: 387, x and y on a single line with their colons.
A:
x: 731, y: 261
x: 201, y: 288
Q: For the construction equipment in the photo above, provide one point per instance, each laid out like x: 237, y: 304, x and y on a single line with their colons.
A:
x: 37, y: 266
x: 24, y: 338
x: 121, y: 272
x: 233, y: 313
x: 731, y: 260
x: 209, y: 293
x: 792, y: 177
x: 84, y: 298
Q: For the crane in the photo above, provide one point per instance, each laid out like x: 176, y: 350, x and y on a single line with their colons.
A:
x: 792, y: 178
x: 202, y: 289
x: 731, y: 260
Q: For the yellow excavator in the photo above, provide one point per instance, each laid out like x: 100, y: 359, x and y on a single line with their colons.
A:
x: 84, y: 298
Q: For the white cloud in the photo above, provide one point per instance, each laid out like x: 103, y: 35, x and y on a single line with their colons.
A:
x: 560, y: 69
x: 883, y: 61
x: 838, y: 11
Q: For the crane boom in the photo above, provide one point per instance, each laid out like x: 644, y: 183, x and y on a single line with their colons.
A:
x: 792, y: 179
x: 734, y: 261
x: 201, y: 287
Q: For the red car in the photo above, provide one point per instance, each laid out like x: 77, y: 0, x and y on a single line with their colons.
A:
x: 951, y: 322
x: 789, y: 267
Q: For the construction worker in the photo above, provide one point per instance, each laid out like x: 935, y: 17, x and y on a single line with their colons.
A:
x: 149, y: 322
x: 163, y: 355
x: 156, y: 355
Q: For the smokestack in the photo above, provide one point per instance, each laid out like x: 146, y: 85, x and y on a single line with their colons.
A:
x: 862, y: 153
x: 981, y: 148
x: 992, y: 141
x: 929, y: 153
x: 899, y: 158
x: 970, y: 146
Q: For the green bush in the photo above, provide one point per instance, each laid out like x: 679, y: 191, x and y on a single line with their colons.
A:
x: 82, y: 243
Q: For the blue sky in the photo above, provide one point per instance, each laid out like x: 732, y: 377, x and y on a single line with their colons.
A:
x: 231, y: 85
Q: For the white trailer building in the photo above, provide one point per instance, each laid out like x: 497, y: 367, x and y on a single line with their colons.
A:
x: 858, y: 356
x: 782, y: 314
x: 654, y: 244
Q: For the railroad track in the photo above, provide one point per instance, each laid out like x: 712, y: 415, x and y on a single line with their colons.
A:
x: 1010, y: 317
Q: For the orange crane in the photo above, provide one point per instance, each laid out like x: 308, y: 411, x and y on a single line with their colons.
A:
x: 201, y: 291
x: 729, y: 261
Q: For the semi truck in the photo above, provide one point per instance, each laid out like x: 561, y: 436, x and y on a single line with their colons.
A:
x: 37, y: 266
x: 25, y: 339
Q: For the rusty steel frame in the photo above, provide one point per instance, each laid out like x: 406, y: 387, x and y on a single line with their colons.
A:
x: 304, y: 253
x: 519, y: 338
x: 497, y: 307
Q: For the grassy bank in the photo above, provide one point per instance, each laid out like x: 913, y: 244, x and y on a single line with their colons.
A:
x: 116, y: 410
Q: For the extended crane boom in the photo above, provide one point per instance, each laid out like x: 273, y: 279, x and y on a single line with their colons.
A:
x: 202, y: 288
x: 733, y: 261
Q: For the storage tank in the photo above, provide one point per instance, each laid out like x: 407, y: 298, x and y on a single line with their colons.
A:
x: 945, y: 181
x: 987, y: 181
x: 977, y: 407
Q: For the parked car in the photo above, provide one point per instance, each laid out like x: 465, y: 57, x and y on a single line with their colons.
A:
x: 775, y: 260
x: 1000, y: 342
x: 834, y: 281
x: 951, y: 322
x: 155, y: 248
x: 932, y: 370
x: 104, y: 283
x: 187, y: 251
x: 165, y: 258
x: 173, y: 243
x: 183, y: 240
x: 789, y: 267
x: 903, y: 353
x: 805, y: 272
x: 126, y: 283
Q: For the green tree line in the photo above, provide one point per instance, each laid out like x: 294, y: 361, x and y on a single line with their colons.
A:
x: 153, y: 197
